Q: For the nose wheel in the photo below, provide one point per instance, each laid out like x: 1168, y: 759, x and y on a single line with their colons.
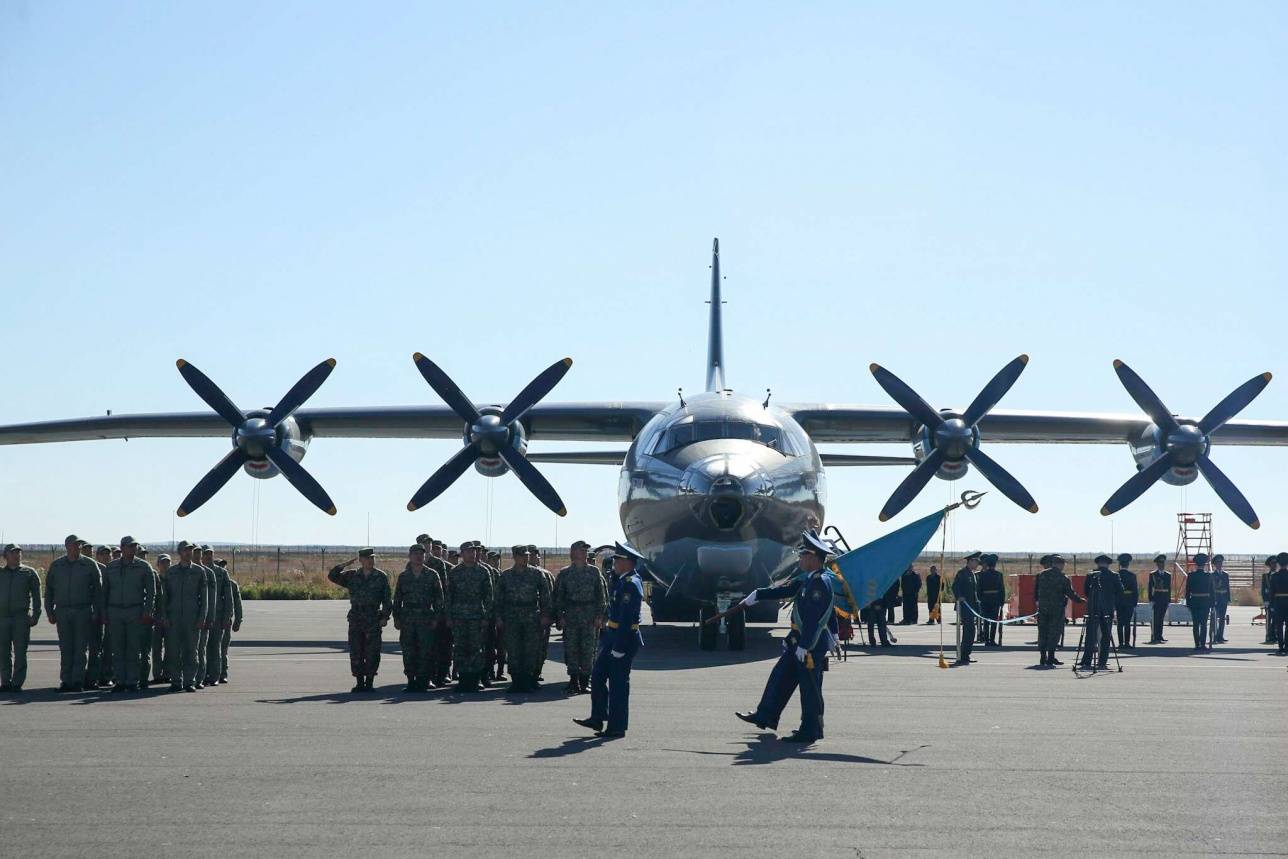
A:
x: 709, y: 633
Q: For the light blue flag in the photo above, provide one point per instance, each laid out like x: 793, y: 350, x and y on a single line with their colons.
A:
x: 870, y: 570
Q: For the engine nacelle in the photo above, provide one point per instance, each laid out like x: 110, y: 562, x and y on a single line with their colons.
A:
x: 489, y: 425
x: 289, y: 438
x: 955, y: 466
x: 1149, y: 446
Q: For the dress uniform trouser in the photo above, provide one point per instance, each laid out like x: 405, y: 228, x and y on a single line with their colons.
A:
x: 966, y: 619
x: 1281, y: 623
x: 126, y: 632
x: 15, y: 633
x: 1218, y: 620
x: 788, y: 674
x: 1200, y: 615
x: 1160, y: 615
x: 877, y: 618
x: 1126, y: 616
x: 992, y: 611
x: 1098, y: 630
x: 181, y: 651
x: 610, y: 687
x: 910, y: 610
x: 76, y: 627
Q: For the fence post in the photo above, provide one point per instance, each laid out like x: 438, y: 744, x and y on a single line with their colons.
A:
x: 279, y: 563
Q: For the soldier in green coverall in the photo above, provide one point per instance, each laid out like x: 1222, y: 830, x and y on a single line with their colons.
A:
x: 19, y: 612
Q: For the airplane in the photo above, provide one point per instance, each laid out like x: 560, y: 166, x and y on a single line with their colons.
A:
x: 714, y: 488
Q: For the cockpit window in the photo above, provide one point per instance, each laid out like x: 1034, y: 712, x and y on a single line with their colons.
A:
x: 688, y: 431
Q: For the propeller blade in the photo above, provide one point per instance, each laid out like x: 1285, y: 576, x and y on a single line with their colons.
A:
x: 446, y: 475
x: 905, y: 396
x: 533, y: 479
x: 536, y: 391
x: 1001, y: 479
x: 1137, y: 484
x: 213, y: 481
x: 912, y: 484
x: 994, y: 391
x: 301, y: 480
x: 210, y: 393
x: 1228, y: 492
x: 446, y: 388
x: 303, y: 389
x: 1234, y: 403
x: 1145, y: 397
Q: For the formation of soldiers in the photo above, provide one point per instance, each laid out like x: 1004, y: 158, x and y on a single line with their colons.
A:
x: 122, y: 624
x: 461, y: 620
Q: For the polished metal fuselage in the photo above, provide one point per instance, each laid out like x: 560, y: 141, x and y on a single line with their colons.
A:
x: 716, y: 490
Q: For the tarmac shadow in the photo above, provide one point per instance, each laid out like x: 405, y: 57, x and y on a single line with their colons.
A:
x: 571, y: 746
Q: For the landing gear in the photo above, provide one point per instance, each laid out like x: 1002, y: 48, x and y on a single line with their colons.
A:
x: 708, y: 633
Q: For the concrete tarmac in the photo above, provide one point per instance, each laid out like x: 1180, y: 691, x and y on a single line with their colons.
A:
x: 1179, y: 754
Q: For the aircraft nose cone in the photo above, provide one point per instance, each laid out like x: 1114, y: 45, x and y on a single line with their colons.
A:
x: 725, y: 489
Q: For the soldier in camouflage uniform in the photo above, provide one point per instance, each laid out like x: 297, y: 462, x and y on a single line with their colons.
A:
x: 441, y: 667
x: 581, y: 603
x: 185, y: 613
x: 493, y: 643
x: 523, y: 610
x: 370, y: 604
x: 212, y: 610
x: 534, y: 560
x: 223, y: 616
x: 159, y: 672
x: 1053, y: 591
x: 469, y: 612
x: 418, y: 602
x: 74, y: 604
x: 19, y: 612
x: 129, y: 593
x: 98, y: 668
x: 234, y: 590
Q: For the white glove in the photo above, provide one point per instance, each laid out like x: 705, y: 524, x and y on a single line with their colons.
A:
x: 749, y: 599
x: 616, y: 654
x: 801, y: 653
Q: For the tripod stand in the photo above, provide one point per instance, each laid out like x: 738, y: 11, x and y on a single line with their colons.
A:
x: 1113, y: 646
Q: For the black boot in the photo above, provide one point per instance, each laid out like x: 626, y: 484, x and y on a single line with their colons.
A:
x: 585, y: 684
x: 574, y: 685
x: 360, y: 686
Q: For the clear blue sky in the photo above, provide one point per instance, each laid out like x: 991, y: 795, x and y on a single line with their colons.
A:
x: 255, y: 187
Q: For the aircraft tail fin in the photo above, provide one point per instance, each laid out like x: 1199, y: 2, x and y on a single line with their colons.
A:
x: 715, y: 338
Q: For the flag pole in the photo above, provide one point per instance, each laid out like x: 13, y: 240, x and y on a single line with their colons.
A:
x: 970, y: 500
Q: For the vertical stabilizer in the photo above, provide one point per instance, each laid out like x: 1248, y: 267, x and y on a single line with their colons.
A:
x: 715, y: 339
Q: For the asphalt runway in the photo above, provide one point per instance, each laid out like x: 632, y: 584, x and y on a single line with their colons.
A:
x: 1179, y: 754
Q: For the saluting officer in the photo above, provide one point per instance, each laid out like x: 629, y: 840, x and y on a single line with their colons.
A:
x: 1279, y: 597
x: 992, y: 596
x: 806, y: 647
x: 966, y: 594
x: 1103, y: 589
x: 370, y: 604
x: 129, y: 590
x: 74, y: 603
x: 185, y: 615
x: 19, y: 612
x: 1126, y: 608
x: 1220, y: 598
x: 1160, y: 597
x: 1198, y: 596
x: 610, y: 678
x: 910, y: 590
x: 933, y: 584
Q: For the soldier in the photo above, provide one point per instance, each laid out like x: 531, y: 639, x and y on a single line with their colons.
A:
x: 806, y: 647
x: 185, y: 615
x: 492, y: 643
x: 875, y: 616
x: 1198, y: 596
x: 966, y: 595
x: 535, y: 560
x: 74, y: 603
x: 453, y: 557
x: 98, y: 667
x: 523, y: 610
x: 889, y: 600
x: 1103, y: 589
x: 1053, y: 592
x: 933, y: 584
x: 370, y: 604
x: 1160, y: 597
x: 212, y: 610
x: 223, y: 616
x: 469, y: 615
x: 19, y: 612
x: 992, y: 596
x: 1220, y: 598
x: 129, y: 592
x: 234, y: 591
x: 910, y: 591
x: 418, y: 602
x: 148, y: 635
x: 610, y: 677
x: 160, y: 674
x: 1126, y: 608
x: 1279, y: 599
x: 115, y: 552
x: 1268, y: 599
x: 580, y: 602
x: 441, y: 667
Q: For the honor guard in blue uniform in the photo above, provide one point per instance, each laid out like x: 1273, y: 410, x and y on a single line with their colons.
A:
x: 966, y: 595
x: 1268, y: 599
x: 1160, y: 597
x: 1103, y: 589
x: 1279, y: 601
x: 992, y: 596
x: 1198, y: 596
x: 610, y: 675
x: 805, y: 649
x: 1126, y: 610
x: 1220, y: 598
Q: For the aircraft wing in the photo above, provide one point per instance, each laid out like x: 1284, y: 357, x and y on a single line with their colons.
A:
x: 617, y: 421
x: 827, y: 423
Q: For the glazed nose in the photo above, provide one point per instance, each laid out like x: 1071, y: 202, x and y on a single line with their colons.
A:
x: 726, y: 486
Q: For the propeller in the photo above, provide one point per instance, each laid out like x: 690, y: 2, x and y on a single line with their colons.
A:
x: 489, y: 435
x: 1186, y: 445
x: 953, y: 439
x: 256, y: 437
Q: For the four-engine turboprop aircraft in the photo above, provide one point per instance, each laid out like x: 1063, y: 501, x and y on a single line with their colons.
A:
x: 715, y: 488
